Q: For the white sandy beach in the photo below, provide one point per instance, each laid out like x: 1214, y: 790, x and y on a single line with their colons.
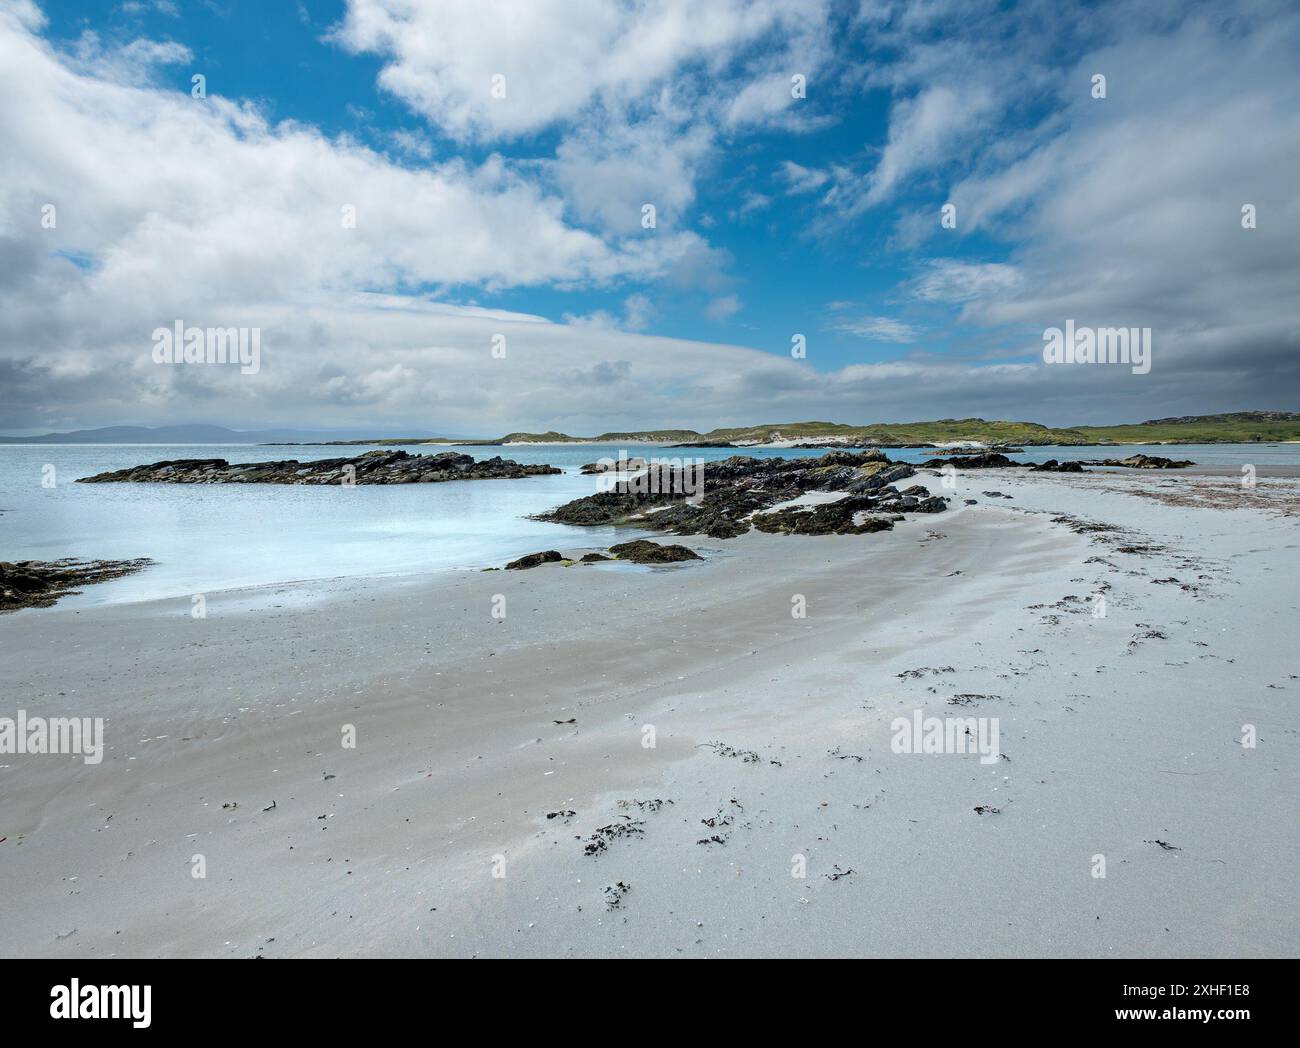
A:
x: 772, y: 735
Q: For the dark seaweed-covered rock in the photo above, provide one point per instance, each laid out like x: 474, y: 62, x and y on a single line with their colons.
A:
x: 613, y: 465
x: 604, y: 507
x: 980, y: 460
x: 1147, y: 462
x: 642, y: 551
x: 729, y: 492
x: 1003, y: 449
x: 1052, y: 466
x: 39, y: 584
x: 829, y: 518
x: 720, y: 514
x: 593, y: 558
x: 549, y: 556
x: 374, y: 467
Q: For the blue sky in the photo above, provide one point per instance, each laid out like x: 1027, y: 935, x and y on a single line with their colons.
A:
x: 775, y: 216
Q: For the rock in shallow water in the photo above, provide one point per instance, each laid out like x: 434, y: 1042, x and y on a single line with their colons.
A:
x: 532, y: 560
x: 981, y: 460
x: 39, y: 584
x: 374, y: 467
x: 1147, y: 462
x: 642, y: 551
x: 613, y: 466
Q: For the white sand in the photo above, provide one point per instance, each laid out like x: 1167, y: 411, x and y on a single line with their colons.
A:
x: 1112, y: 744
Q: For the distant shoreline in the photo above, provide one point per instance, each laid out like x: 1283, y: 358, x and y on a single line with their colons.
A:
x: 1242, y: 427
x: 785, y: 445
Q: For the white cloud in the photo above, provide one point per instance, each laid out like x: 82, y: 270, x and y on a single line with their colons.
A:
x: 800, y: 179
x: 723, y: 308
x: 950, y: 280
x: 923, y: 131
x: 640, y: 95
x: 202, y: 210
x: 412, y: 144
x: 608, y: 173
x: 560, y: 56
x: 139, y: 7
x: 638, y: 312
x: 875, y: 329
x: 130, y: 63
x: 171, y: 194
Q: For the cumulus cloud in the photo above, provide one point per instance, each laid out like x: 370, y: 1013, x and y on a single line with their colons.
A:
x: 556, y: 58
x: 163, y: 206
x: 641, y: 95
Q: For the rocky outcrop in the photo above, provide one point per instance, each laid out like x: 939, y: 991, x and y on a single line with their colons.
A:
x: 1145, y: 462
x: 830, y: 518
x: 978, y: 460
x: 39, y: 584
x: 613, y: 465
x: 996, y: 461
x: 642, y: 551
x: 735, y: 489
x: 374, y: 467
x: 533, y: 560
x: 1001, y: 449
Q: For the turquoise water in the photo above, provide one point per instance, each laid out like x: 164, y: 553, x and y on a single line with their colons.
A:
x: 210, y: 538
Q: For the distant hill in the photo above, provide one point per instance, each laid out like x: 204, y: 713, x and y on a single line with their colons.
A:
x: 1233, y: 416
x: 653, y: 436
x: 1233, y: 427
x: 1242, y: 426
x: 196, y: 434
x: 938, y: 431
x: 549, y: 437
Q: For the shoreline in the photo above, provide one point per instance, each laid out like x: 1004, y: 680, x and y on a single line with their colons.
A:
x: 573, y: 544
x: 1114, y: 740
